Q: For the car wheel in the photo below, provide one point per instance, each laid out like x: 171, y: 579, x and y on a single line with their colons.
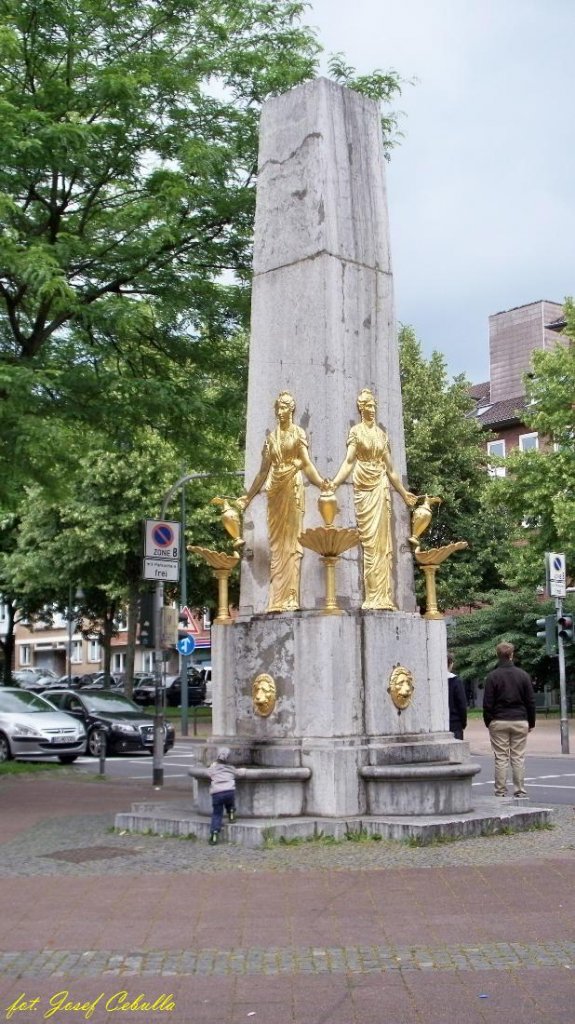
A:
x: 94, y: 743
x: 67, y: 758
x: 5, y: 752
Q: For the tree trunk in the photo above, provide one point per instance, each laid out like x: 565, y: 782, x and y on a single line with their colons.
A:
x: 133, y: 605
x: 7, y: 644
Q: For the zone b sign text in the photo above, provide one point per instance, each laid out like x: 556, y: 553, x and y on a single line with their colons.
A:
x: 162, y: 539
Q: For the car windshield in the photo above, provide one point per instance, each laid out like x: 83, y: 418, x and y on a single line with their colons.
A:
x: 110, y: 702
x: 16, y: 701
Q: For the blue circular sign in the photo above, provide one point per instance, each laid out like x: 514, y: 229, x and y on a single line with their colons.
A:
x: 186, y: 645
x: 162, y: 535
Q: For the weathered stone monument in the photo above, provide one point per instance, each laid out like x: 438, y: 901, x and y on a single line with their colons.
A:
x: 335, y: 744
x: 336, y: 708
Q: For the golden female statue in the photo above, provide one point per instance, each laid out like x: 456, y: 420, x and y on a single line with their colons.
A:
x: 284, y: 456
x: 368, y: 455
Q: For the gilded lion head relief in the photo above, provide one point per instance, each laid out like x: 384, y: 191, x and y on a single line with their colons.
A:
x: 264, y: 695
x: 401, y: 687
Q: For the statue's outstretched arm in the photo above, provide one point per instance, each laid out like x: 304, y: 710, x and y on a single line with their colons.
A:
x: 258, y: 482
x: 409, y: 498
x: 345, y: 468
x: 310, y: 470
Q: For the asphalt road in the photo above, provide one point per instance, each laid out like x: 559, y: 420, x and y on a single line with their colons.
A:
x: 549, y: 780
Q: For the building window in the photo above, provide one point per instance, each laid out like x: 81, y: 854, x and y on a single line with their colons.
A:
x: 118, y: 662
x: 25, y: 654
x: 148, y: 662
x: 497, y: 450
x: 94, y: 651
x: 76, y: 652
x: 528, y: 442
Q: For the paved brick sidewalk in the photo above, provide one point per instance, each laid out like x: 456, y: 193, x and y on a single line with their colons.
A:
x: 472, y: 931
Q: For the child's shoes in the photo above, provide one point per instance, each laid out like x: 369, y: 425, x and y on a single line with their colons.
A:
x: 213, y: 838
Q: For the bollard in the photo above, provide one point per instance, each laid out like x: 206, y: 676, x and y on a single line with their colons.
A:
x: 102, y: 734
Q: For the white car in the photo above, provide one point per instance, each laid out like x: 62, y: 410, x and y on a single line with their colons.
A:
x: 32, y: 727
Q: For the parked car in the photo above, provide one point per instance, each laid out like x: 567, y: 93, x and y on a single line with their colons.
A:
x: 145, y: 692
x: 32, y: 727
x: 126, y: 727
x: 100, y: 681
x: 28, y: 678
x: 144, y: 689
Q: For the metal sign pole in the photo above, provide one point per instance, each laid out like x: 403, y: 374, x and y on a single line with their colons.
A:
x: 158, y: 766
x: 562, y: 683
x: 183, y: 602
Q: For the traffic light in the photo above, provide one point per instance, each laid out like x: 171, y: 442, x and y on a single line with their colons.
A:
x: 146, y: 620
x: 565, y: 628
x: 546, y: 631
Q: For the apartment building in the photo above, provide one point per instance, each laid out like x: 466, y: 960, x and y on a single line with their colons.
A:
x: 60, y: 645
x: 514, y: 335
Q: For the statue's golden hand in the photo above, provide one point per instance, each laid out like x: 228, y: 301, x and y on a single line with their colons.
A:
x: 327, y: 486
x: 241, y: 503
x: 411, y: 499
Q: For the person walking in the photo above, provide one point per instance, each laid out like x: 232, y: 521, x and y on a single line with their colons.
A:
x: 457, y: 700
x: 509, y: 714
x: 223, y: 792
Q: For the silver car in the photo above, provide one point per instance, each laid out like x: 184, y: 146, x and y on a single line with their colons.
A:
x: 32, y: 727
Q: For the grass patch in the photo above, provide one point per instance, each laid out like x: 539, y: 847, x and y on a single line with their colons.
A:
x: 319, y: 838
x: 149, y: 833
x: 28, y: 767
x: 202, y: 714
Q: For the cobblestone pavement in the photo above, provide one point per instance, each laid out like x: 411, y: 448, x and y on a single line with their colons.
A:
x: 87, y: 845
x: 287, y: 961
x: 354, y: 932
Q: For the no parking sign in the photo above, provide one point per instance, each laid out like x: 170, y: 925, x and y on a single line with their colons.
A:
x: 162, y: 539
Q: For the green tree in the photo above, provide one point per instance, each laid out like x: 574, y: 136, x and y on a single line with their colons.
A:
x: 127, y: 184
x: 446, y: 457
x: 538, y: 492
x: 91, y: 535
x: 511, y: 616
x: 126, y: 192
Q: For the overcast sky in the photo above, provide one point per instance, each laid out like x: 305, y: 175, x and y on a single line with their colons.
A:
x: 481, y: 190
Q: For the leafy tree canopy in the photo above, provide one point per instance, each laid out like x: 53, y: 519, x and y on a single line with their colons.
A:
x: 446, y: 457
x: 510, y: 616
x: 129, y: 134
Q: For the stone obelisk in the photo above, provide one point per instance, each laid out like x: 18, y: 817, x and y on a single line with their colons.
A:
x: 322, y: 312
x: 324, y: 736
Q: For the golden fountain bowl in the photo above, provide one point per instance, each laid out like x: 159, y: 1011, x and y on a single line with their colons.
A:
x: 435, y: 556
x: 216, y: 559
x: 329, y: 541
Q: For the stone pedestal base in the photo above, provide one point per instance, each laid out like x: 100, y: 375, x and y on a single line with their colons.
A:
x: 419, y: 788
x: 261, y: 793
x: 490, y: 816
x: 335, y: 778
x: 334, y: 726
